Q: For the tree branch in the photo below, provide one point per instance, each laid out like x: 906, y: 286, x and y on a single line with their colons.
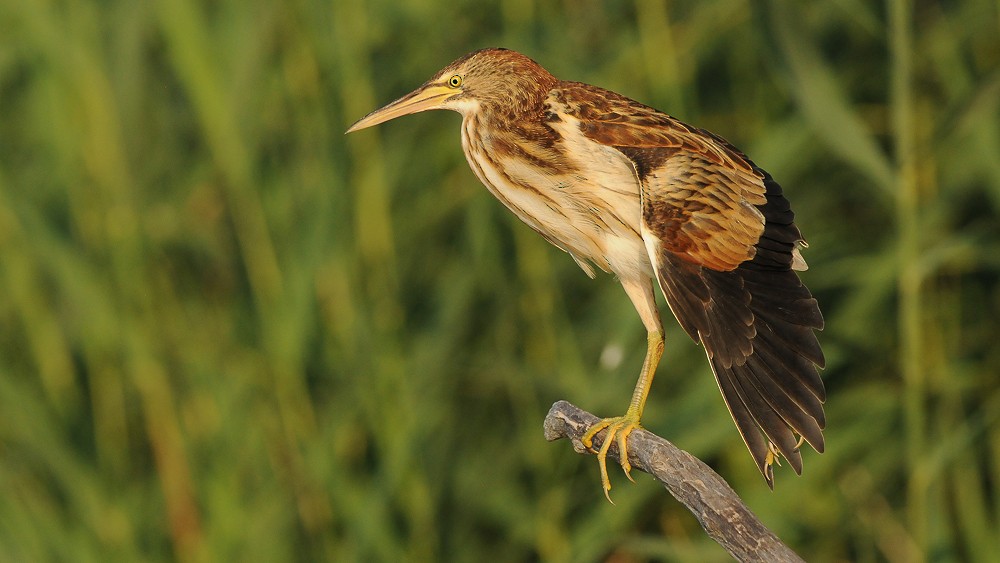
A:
x: 718, y: 508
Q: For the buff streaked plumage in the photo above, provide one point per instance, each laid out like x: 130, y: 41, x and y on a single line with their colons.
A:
x: 637, y: 193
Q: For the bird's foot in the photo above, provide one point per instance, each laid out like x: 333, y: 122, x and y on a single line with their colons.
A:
x: 774, y: 458
x: 618, y: 427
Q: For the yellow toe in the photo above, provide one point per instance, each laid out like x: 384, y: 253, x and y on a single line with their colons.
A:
x: 619, y: 429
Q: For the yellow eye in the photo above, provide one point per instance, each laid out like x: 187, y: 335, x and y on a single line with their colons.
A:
x: 455, y: 81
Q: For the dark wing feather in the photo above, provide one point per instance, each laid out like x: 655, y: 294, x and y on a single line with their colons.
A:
x: 766, y: 368
x: 723, y: 243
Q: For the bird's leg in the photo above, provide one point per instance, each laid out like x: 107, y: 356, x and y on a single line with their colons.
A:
x: 642, y: 297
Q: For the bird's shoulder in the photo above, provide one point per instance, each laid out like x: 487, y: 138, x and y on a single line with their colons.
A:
x: 646, y: 134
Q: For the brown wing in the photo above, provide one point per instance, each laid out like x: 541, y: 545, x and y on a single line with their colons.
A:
x: 699, y: 193
x: 723, y: 241
x: 757, y: 324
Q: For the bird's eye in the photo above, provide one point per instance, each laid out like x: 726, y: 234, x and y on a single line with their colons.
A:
x: 455, y: 81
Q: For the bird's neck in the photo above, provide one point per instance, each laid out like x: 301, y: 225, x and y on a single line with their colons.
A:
x: 519, y: 99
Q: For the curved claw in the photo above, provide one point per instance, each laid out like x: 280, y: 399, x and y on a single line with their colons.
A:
x: 602, y: 461
x: 772, y: 458
x: 618, y: 427
x: 623, y: 449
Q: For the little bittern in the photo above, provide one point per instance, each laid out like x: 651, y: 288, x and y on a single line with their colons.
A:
x: 639, y: 194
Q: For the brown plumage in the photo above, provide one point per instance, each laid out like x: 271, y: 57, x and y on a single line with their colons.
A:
x: 637, y: 193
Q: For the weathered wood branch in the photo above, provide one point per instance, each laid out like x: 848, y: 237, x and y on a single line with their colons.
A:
x: 715, y: 504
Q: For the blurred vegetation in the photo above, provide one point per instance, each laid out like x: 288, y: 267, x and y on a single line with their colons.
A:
x: 232, y: 333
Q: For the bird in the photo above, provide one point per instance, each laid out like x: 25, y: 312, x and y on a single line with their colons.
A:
x: 632, y: 191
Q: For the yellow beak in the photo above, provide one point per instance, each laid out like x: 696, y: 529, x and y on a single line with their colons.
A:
x: 422, y: 99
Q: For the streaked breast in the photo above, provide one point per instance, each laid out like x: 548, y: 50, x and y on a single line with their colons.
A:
x: 581, y: 196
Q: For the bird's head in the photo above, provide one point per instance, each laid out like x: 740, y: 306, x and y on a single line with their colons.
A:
x: 497, y: 80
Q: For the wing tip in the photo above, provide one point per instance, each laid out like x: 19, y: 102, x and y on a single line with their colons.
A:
x: 798, y: 262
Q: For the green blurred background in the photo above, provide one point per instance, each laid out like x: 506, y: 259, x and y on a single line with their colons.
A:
x: 229, y: 332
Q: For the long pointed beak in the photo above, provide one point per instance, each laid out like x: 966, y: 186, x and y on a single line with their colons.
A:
x: 422, y: 99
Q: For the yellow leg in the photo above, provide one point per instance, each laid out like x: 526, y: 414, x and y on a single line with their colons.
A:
x: 622, y: 426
